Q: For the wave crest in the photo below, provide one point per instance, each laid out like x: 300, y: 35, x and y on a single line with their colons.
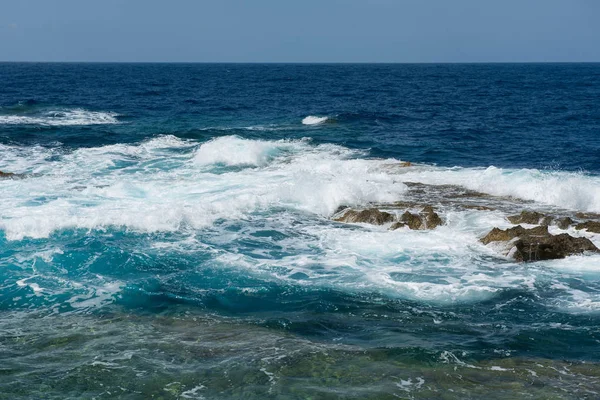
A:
x: 314, y: 120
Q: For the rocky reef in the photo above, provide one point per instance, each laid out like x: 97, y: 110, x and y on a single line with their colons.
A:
x: 538, y: 244
x: 416, y: 212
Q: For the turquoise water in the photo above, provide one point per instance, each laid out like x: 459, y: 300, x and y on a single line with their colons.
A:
x: 170, y: 235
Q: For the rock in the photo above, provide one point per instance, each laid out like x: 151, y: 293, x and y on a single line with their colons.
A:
x: 368, y: 216
x: 413, y: 221
x: 405, y: 164
x: 564, y: 222
x: 591, y: 226
x: 538, y: 244
x: 397, y: 225
x: 432, y: 219
x: 478, y: 207
x: 340, y: 209
x: 587, y: 215
x: 6, y: 174
x: 530, y: 217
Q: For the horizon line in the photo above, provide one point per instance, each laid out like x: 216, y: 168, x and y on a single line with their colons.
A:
x: 297, y: 62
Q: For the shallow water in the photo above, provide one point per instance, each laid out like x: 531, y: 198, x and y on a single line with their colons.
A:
x: 169, y: 232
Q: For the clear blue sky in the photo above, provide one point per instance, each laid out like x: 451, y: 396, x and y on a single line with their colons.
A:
x: 300, y: 30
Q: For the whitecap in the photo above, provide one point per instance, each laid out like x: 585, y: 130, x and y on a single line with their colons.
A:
x: 314, y: 120
x: 67, y: 117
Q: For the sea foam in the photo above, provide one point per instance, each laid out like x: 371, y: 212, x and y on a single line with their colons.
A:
x: 67, y: 117
x: 314, y: 120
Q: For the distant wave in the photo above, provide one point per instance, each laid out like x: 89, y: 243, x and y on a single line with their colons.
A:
x: 314, y: 120
x: 67, y: 117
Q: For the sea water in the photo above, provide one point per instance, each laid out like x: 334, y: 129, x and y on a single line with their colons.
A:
x: 168, y: 231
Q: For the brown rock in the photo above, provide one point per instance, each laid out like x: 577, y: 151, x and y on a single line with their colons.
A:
x: 6, y: 174
x: 564, y: 222
x: 405, y: 164
x: 530, y: 217
x: 537, y: 244
x: 397, y: 225
x: 587, y: 215
x: 369, y: 216
x: 477, y: 207
x: 432, y: 219
x: 413, y: 221
x: 591, y: 226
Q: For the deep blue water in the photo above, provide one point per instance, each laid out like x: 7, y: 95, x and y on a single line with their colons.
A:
x: 168, y: 234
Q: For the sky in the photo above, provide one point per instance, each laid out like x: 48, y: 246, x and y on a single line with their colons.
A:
x: 300, y: 30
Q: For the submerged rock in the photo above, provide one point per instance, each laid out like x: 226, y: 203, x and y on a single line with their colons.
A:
x: 368, y: 216
x: 591, y: 226
x: 530, y: 217
x: 538, y: 244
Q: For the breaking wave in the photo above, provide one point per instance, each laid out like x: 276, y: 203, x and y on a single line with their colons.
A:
x: 67, y: 117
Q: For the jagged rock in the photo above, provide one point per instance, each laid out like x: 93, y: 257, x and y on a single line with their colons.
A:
x: 432, y: 219
x: 413, y: 221
x: 530, y: 217
x: 538, y: 244
x: 6, y: 174
x: 591, y: 226
x: 368, y: 216
x: 564, y: 222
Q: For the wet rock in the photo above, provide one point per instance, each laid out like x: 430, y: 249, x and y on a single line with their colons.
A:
x: 340, y: 209
x: 591, y: 226
x: 397, y: 225
x: 405, y: 164
x: 432, y: 219
x: 413, y: 221
x: 583, y: 215
x: 564, y: 222
x: 530, y: 217
x: 6, y: 174
x: 538, y: 244
x: 478, y: 207
x: 368, y: 216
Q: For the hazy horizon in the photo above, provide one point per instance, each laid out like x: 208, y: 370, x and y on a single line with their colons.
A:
x: 330, y: 31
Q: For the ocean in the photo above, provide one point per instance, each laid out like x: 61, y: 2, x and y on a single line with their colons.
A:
x: 168, y: 231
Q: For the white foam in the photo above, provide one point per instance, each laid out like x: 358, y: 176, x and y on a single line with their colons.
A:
x: 158, y: 191
x: 314, y: 120
x: 291, y: 186
x: 67, y: 117
x: 576, y: 191
x: 233, y: 150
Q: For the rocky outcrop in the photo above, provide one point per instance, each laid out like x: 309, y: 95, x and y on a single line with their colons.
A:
x: 564, y: 222
x: 368, y: 216
x: 591, y: 226
x: 427, y: 219
x: 530, y: 217
x: 538, y: 244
